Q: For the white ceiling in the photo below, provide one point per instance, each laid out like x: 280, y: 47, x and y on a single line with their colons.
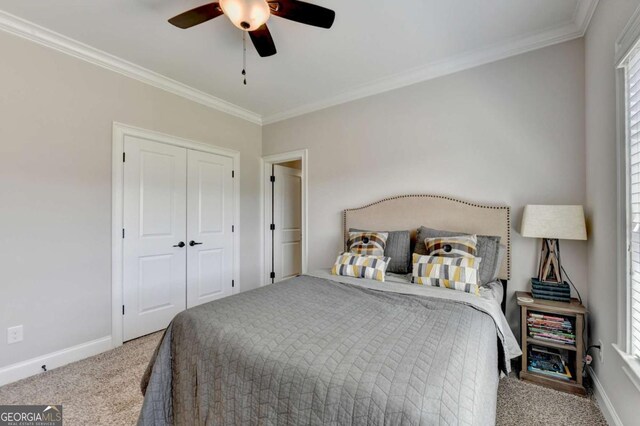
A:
x: 373, y: 46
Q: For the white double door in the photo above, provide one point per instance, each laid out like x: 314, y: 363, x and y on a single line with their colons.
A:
x: 178, y: 224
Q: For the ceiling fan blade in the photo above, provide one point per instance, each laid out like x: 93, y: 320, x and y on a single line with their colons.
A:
x: 305, y: 13
x: 263, y: 42
x: 196, y: 16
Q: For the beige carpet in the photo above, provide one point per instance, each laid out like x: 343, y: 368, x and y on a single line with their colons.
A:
x: 104, y: 390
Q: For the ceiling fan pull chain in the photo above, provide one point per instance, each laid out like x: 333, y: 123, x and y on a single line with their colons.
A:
x: 244, y: 56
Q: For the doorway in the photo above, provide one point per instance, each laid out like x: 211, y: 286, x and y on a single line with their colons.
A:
x: 285, y: 216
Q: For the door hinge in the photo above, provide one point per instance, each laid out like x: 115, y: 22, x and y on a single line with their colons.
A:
x: 273, y: 178
x: 122, y: 309
x: 233, y: 173
x: 233, y: 228
x: 272, y: 227
x: 123, y: 157
x: 272, y: 275
x: 233, y: 283
x: 122, y: 232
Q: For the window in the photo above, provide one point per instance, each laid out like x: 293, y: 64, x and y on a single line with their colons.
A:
x: 632, y: 118
x: 627, y: 60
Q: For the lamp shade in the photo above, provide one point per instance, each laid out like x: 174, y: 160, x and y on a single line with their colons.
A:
x: 556, y: 222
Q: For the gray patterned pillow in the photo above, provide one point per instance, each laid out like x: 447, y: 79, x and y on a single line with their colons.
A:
x: 398, y: 248
x: 488, y: 249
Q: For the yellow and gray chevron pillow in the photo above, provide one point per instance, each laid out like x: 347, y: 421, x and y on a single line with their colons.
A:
x: 369, y: 243
x: 456, y: 273
x: 361, y: 266
x: 460, y: 246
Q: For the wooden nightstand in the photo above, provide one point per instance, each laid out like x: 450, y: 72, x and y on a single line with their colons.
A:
x: 574, y: 312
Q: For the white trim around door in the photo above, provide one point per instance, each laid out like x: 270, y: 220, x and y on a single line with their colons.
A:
x: 267, y: 161
x: 120, y: 131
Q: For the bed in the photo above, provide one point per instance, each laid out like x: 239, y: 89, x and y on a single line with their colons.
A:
x: 326, y: 349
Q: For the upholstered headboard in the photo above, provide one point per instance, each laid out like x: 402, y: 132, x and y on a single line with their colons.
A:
x: 409, y: 212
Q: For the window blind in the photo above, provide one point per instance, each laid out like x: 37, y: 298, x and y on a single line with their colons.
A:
x: 633, y: 136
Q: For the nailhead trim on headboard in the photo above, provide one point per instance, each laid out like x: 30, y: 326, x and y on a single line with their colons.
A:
x: 483, y: 206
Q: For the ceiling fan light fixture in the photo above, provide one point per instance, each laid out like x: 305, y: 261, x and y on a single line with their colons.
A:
x: 248, y: 15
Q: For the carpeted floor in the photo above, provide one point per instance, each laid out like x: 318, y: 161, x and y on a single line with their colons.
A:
x: 104, y: 390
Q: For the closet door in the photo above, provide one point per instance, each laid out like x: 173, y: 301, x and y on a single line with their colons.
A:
x: 154, y: 269
x: 209, y: 227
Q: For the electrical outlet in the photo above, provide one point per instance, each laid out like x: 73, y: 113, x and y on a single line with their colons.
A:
x: 14, y: 334
x: 601, y: 352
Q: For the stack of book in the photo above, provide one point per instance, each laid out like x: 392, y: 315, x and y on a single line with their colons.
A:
x: 550, y: 328
x: 549, y: 362
x: 559, y: 292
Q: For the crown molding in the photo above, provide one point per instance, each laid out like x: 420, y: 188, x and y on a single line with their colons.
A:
x: 33, y: 32
x: 584, y: 13
x: 572, y: 30
x: 628, y: 39
x: 43, y: 36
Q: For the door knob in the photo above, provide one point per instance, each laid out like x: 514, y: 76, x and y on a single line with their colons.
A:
x: 193, y: 243
x: 180, y: 244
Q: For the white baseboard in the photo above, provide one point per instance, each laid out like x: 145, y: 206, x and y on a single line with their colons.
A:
x: 603, y: 400
x: 31, y: 367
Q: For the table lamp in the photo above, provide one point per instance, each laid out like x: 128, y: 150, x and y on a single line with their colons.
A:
x: 552, y: 223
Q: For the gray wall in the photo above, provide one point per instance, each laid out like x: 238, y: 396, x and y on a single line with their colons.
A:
x: 56, y: 115
x: 511, y: 132
x: 606, y: 25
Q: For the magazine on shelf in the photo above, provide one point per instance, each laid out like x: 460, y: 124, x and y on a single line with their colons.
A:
x: 549, y: 362
x: 551, y: 328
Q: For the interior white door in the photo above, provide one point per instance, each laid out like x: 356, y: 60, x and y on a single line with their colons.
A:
x: 154, y: 261
x: 287, y: 214
x: 209, y: 227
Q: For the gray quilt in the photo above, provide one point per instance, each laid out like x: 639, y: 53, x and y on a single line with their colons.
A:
x: 311, y: 351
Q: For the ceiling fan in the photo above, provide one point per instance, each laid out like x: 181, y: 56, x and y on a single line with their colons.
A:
x: 251, y: 16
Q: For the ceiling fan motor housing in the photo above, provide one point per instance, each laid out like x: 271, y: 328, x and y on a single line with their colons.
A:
x: 248, y: 15
x: 251, y: 16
